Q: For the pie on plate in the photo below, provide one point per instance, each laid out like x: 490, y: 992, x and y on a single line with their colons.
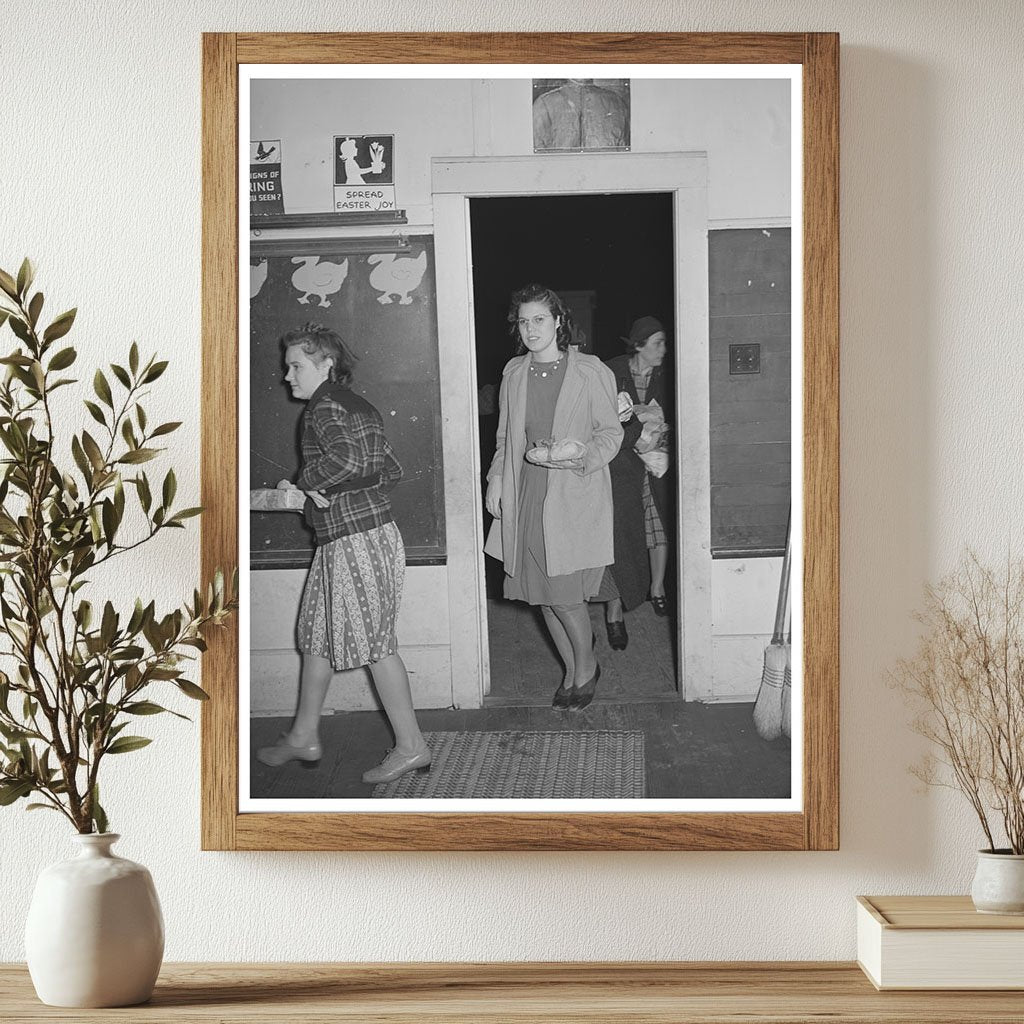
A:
x: 553, y: 453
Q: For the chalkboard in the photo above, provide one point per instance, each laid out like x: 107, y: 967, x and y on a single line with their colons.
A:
x: 383, y: 305
x: 749, y: 283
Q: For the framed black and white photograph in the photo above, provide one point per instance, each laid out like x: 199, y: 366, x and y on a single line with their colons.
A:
x: 575, y: 114
x: 531, y: 476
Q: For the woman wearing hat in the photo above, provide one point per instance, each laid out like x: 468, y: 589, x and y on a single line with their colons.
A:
x: 553, y: 517
x: 640, y: 499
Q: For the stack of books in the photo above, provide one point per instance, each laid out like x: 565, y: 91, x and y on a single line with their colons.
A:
x: 938, y: 942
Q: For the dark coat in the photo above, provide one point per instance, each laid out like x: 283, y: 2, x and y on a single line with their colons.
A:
x: 632, y: 568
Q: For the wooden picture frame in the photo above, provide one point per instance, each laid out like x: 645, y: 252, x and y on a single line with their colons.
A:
x: 816, y: 826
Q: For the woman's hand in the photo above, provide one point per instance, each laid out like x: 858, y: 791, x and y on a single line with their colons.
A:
x: 652, y: 439
x: 645, y: 444
x: 320, y: 500
x: 493, y: 499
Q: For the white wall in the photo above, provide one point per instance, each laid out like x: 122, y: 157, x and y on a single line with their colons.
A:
x: 428, y: 118
x: 744, y: 126
x: 101, y: 185
x: 744, y: 599
x: 275, y: 664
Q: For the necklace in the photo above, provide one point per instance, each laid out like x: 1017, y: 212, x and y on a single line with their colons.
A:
x: 549, y: 368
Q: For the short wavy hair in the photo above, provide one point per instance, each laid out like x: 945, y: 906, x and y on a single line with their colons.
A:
x: 320, y: 343
x: 556, y: 307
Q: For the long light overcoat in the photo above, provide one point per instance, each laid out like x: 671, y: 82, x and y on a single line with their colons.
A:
x: 578, y: 506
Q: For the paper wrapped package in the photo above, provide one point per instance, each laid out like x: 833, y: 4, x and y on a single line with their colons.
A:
x: 656, y: 461
x: 655, y: 430
x: 275, y: 499
x: 625, y: 404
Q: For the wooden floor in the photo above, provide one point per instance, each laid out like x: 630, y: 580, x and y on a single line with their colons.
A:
x: 526, y: 670
x: 694, y: 751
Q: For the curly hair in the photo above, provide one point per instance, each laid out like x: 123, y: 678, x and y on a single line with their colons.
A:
x: 557, y: 308
x: 320, y: 343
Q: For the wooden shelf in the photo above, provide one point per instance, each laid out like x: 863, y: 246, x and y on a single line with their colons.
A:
x: 660, y: 993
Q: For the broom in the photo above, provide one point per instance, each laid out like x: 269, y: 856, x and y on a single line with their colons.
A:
x: 787, y: 688
x: 769, y: 713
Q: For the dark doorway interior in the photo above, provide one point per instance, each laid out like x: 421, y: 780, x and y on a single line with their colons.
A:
x: 617, y: 248
x: 611, y: 258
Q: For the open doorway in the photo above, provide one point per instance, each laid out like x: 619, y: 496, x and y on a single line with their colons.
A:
x: 456, y: 183
x: 611, y: 259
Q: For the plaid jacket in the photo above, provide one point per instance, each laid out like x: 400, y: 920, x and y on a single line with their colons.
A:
x: 343, y: 446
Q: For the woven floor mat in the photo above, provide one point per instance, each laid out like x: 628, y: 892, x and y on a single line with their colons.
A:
x: 602, y: 765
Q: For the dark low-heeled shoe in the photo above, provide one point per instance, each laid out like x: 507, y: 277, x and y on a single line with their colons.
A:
x: 562, y: 698
x: 660, y: 605
x: 583, y: 695
x: 618, y: 638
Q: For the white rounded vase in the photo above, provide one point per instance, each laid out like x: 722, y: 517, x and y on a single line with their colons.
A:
x: 95, y: 933
x: 998, y: 886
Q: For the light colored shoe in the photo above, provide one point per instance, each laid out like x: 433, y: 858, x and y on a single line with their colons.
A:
x: 395, y: 765
x: 282, y: 752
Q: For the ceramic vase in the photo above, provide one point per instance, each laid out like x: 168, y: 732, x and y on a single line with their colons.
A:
x: 95, y: 933
x: 999, y: 883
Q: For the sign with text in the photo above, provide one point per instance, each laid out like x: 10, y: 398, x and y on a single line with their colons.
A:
x: 265, y: 195
x: 364, y: 173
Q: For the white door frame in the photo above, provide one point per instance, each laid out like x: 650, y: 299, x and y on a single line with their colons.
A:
x: 454, y: 182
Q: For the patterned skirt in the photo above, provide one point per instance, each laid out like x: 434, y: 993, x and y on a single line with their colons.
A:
x: 653, y: 527
x: 350, y: 602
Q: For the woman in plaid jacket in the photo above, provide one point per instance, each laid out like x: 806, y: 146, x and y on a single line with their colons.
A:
x: 354, y: 588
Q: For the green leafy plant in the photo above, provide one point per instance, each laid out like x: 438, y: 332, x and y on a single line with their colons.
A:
x: 967, y: 681
x: 78, y: 672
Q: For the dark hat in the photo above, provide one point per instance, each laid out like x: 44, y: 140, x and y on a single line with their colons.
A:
x: 642, y: 329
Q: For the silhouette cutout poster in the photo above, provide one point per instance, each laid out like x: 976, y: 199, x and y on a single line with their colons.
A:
x: 265, y: 194
x: 364, y: 176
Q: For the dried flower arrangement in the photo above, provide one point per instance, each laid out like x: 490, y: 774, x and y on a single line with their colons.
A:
x: 967, y: 679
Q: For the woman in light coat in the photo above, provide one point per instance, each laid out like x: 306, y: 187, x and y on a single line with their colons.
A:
x: 553, y: 520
